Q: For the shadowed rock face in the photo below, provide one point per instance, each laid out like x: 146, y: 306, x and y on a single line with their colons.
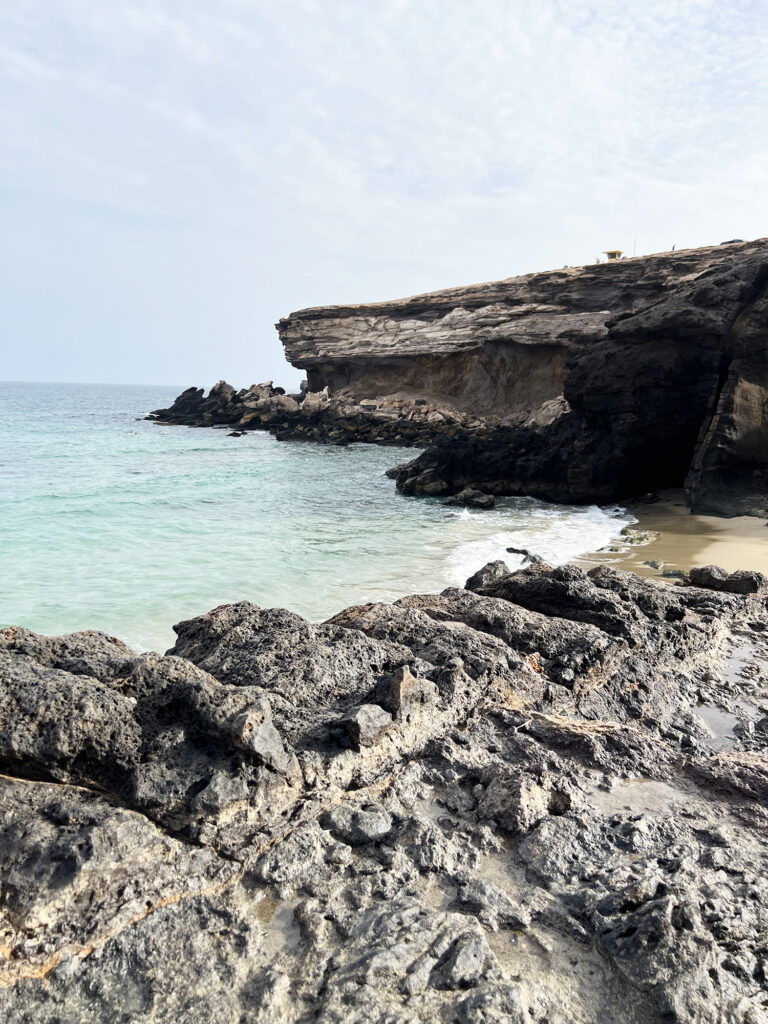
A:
x: 551, y: 807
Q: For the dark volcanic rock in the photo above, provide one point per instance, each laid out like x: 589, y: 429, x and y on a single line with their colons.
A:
x: 471, y: 497
x: 192, y: 409
x: 561, y: 813
x: 366, y: 725
x: 307, y: 416
x: 743, y: 581
x: 528, y: 556
x: 490, y: 572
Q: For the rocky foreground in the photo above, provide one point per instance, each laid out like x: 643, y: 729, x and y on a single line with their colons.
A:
x: 539, y: 798
x: 586, y: 384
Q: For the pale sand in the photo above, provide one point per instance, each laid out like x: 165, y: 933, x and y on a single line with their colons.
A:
x: 686, y: 540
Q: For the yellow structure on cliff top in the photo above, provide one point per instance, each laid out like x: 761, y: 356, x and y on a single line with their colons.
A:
x: 613, y: 254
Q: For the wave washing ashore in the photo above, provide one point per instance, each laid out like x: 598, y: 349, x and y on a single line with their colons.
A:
x: 113, y: 523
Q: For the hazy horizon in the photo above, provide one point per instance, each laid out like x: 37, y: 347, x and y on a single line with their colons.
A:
x: 176, y: 179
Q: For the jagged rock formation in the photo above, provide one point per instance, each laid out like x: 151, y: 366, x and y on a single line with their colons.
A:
x: 542, y: 797
x: 584, y: 384
x: 316, y: 416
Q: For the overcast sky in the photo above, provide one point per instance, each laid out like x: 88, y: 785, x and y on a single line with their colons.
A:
x: 178, y: 174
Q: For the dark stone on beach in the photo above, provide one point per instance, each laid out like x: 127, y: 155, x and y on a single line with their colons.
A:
x: 743, y: 581
x: 471, y: 497
x: 531, y: 558
x: 638, y: 537
x: 489, y: 572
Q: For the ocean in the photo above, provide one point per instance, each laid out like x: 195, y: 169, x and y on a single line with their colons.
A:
x: 114, y: 523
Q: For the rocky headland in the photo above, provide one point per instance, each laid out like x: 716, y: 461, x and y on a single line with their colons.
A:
x: 540, y: 797
x: 585, y: 384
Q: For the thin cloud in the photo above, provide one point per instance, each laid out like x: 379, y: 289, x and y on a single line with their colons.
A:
x: 274, y: 156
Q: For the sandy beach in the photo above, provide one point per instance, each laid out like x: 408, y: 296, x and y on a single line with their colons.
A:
x: 686, y: 540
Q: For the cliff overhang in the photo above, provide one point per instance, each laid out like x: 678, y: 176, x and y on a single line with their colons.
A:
x: 584, y: 384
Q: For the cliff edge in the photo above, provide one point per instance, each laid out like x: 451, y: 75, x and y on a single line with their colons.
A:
x: 585, y: 384
x: 591, y: 383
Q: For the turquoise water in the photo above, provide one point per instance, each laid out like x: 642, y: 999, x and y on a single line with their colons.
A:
x: 114, y: 523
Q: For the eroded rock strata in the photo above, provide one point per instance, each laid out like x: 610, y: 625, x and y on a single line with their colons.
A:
x: 542, y: 797
x: 583, y: 384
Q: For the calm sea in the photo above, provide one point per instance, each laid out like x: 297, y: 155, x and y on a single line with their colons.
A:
x: 113, y: 523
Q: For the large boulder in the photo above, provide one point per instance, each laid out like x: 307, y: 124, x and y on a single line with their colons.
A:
x: 743, y: 581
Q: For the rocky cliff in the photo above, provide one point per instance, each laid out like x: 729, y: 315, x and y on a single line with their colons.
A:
x: 539, y: 797
x: 583, y: 384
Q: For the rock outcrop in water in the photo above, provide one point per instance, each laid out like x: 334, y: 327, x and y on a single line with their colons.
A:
x: 540, y: 798
x: 315, y: 416
x: 584, y: 384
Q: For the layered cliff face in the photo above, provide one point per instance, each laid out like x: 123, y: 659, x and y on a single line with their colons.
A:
x: 589, y: 383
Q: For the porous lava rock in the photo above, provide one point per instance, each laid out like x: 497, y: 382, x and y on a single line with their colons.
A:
x: 564, y: 818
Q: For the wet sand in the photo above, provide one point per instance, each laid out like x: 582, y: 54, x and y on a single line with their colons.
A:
x: 687, y: 540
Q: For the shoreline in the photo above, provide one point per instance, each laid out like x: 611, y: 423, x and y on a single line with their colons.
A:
x: 685, y: 540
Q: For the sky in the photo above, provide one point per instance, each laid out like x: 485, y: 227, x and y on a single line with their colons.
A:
x: 176, y: 175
